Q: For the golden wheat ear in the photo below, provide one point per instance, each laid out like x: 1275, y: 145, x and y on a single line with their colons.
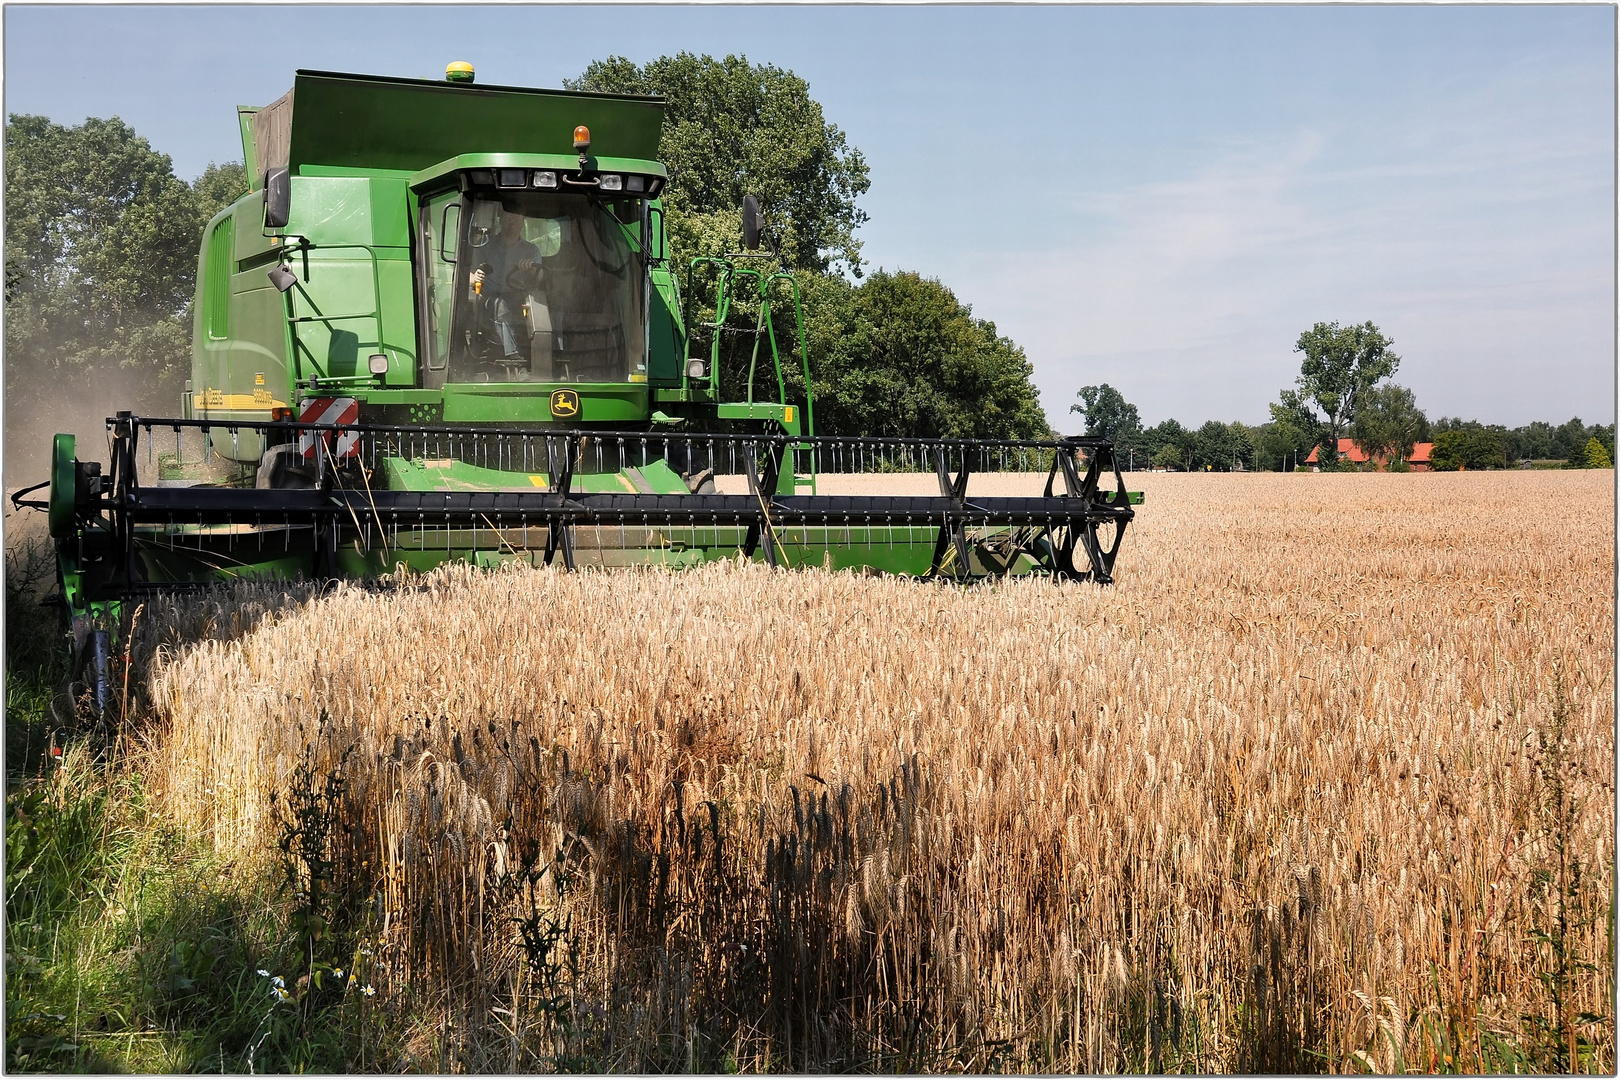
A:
x: 1306, y: 790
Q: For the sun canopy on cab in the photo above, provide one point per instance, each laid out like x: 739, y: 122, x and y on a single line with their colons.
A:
x: 375, y: 122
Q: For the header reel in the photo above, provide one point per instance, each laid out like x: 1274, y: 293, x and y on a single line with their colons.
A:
x: 380, y: 497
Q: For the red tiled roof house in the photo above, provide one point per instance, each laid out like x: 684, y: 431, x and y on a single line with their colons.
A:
x: 1349, y: 450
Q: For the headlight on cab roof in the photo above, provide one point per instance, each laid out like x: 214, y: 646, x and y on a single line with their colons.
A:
x: 610, y: 182
x: 545, y: 179
x: 635, y: 183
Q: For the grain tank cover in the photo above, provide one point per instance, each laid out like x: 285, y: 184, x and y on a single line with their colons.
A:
x: 375, y: 122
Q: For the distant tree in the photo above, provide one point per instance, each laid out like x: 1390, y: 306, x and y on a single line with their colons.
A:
x: 1448, y: 454
x: 1604, y: 433
x: 1169, y: 456
x: 1247, y: 443
x: 1341, y: 363
x: 1221, y: 447
x: 731, y: 129
x: 1388, y: 422
x: 1569, y: 438
x: 1280, y: 446
x: 1467, y: 445
x: 1286, y: 441
x: 1532, y: 441
x: 1166, y: 444
x: 1596, y: 455
x: 1107, y: 413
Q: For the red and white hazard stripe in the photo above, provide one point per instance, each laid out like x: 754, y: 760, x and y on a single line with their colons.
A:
x: 329, y: 410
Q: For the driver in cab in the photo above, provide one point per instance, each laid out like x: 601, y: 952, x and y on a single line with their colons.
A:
x: 510, y: 266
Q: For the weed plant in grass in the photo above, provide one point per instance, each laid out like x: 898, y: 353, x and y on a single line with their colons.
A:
x: 130, y: 946
x: 1325, y: 782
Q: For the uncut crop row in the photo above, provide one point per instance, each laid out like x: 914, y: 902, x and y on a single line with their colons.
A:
x: 1326, y: 781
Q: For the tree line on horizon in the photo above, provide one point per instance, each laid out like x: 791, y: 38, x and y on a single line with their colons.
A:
x: 1340, y: 393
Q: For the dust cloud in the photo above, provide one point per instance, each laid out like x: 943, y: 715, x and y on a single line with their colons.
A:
x: 80, y: 410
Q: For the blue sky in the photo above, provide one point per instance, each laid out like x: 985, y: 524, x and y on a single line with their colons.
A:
x: 1175, y: 192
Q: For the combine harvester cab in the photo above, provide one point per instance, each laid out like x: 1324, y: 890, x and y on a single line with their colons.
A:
x: 444, y: 325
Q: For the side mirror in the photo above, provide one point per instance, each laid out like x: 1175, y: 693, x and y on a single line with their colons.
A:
x: 277, y: 197
x: 750, y: 223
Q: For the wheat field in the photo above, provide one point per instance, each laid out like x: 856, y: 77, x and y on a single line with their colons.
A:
x: 1323, y: 783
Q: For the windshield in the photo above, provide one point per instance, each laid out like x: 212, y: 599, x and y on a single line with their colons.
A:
x: 537, y: 288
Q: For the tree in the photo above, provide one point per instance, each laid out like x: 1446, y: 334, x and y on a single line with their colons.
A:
x: 1467, y: 445
x: 896, y: 355
x: 218, y: 187
x: 1169, y: 456
x: 1340, y: 365
x: 1279, y: 446
x: 1286, y: 441
x: 1107, y: 413
x: 1221, y: 447
x: 1167, y: 445
x: 900, y: 355
x: 1597, y: 455
x: 1388, y: 423
x: 731, y: 129
x: 101, y: 258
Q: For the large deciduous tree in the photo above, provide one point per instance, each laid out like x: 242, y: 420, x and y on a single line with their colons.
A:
x: 1167, y: 445
x: 1107, y: 413
x: 1466, y: 444
x: 899, y: 354
x: 101, y: 260
x: 1341, y: 363
x: 1388, y: 422
x: 1223, y: 447
x: 218, y: 187
x: 731, y: 129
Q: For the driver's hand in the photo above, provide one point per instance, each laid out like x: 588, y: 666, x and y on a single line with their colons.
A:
x: 478, y: 276
x: 524, y: 275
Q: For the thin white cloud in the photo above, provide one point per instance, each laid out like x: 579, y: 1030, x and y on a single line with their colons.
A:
x: 1188, y: 293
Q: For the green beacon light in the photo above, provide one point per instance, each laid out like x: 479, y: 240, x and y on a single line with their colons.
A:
x: 458, y: 71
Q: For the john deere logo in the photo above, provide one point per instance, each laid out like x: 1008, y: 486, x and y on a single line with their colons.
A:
x: 564, y: 403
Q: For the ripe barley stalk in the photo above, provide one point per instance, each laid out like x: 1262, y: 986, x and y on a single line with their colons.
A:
x: 1270, y: 802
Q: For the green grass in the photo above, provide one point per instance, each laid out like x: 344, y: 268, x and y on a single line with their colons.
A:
x: 127, y: 949
x: 129, y: 946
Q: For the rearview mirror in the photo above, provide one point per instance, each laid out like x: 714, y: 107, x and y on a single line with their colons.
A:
x: 277, y: 197
x: 750, y: 222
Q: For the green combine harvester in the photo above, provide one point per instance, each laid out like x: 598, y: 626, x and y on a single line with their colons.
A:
x: 444, y: 325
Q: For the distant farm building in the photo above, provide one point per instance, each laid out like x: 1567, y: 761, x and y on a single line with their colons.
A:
x: 1351, y: 451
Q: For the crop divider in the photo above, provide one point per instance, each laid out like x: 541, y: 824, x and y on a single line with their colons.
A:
x: 559, y: 529
x: 950, y: 528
